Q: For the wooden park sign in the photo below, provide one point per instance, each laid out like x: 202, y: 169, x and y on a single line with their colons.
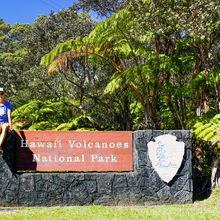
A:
x: 74, y: 151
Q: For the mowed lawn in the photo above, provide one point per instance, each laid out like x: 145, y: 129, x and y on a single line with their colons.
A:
x: 206, y: 209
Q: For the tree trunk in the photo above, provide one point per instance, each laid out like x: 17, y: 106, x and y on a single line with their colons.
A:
x: 206, y: 104
x: 126, y: 124
x: 148, y: 120
x: 217, y: 97
x: 215, y: 179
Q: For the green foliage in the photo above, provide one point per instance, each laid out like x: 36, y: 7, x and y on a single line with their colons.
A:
x: 154, y: 53
x: 131, y: 74
x: 76, y: 123
x: 49, y: 115
x: 64, y: 127
x: 115, y: 83
x: 205, y: 145
x: 39, y: 115
x: 23, y: 45
x: 204, y: 154
x: 207, y: 128
x: 43, y: 125
x: 163, y: 54
x: 136, y: 115
x: 103, y: 7
x: 109, y: 30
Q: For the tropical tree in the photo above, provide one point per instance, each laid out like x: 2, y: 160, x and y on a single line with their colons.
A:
x: 104, y: 8
x: 155, y: 61
x: 191, y: 30
x: 24, y: 45
x: 12, y: 57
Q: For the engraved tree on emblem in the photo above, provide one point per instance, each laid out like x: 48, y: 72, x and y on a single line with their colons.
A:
x: 162, y: 157
x: 166, y: 155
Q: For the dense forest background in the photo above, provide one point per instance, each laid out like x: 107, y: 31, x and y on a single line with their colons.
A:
x: 145, y: 64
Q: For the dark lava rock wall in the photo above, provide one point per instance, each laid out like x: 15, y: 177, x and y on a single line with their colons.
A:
x: 143, y: 186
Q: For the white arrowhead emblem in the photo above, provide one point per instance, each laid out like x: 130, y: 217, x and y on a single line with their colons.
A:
x: 166, y: 155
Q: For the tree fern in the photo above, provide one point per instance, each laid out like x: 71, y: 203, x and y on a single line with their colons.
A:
x: 39, y: 115
x: 208, y: 129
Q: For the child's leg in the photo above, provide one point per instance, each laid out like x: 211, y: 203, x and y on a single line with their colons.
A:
x: 0, y: 134
x: 4, y: 129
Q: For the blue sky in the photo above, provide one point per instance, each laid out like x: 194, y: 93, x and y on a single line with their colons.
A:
x: 25, y: 11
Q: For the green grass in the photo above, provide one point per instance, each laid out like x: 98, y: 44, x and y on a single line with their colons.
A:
x: 206, y: 209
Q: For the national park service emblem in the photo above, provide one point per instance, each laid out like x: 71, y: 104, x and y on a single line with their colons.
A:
x: 166, y: 155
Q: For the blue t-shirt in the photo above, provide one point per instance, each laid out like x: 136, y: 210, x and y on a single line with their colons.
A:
x: 3, y: 112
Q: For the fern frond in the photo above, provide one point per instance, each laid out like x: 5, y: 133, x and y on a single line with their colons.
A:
x: 208, y: 129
